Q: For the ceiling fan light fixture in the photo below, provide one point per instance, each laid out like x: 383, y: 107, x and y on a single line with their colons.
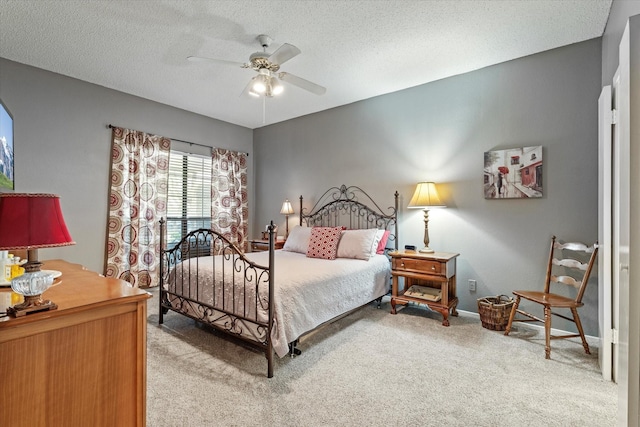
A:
x: 276, y: 87
x: 260, y: 84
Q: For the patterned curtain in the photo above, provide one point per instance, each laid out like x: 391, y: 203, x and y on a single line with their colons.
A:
x: 137, y: 199
x: 229, y: 207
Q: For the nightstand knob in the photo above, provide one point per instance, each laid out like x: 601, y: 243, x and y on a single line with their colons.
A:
x: 433, y: 267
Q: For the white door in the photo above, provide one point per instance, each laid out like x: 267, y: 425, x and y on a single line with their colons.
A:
x: 626, y: 355
x: 605, y: 305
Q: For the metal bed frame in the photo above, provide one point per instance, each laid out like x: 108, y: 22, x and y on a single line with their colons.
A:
x: 338, y: 206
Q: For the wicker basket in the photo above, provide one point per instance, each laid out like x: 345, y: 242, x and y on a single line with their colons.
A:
x: 494, y: 312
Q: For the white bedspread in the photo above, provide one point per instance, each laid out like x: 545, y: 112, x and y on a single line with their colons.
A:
x: 311, y: 291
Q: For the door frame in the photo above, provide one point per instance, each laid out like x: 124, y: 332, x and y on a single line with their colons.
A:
x: 605, y: 207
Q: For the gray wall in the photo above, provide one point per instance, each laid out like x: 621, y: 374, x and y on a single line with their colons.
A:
x: 439, y: 132
x: 62, y: 145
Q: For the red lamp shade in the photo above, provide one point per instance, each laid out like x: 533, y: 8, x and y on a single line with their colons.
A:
x: 32, y: 221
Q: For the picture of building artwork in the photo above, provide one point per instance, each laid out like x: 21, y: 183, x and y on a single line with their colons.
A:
x: 514, y: 173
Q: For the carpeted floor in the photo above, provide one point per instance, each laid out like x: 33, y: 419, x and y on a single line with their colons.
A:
x: 376, y: 369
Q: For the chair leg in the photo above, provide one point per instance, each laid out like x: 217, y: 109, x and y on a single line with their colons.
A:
x: 576, y: 319
x: 514, y: 308
x: 547, y: 332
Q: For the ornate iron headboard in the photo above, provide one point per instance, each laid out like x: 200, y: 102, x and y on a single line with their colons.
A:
x: 340, y: 206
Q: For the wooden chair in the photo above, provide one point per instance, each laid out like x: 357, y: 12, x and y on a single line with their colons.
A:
x: 572, y: 268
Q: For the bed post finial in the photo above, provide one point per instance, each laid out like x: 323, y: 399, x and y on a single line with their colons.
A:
x: 271, y: 229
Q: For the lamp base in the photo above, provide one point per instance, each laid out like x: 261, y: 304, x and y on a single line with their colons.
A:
x: 31, y: 304
x: 426, y: 250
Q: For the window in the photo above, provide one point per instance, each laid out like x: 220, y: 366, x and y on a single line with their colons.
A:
x: 189, y: 195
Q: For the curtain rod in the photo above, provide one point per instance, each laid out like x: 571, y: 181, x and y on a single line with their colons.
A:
x: 110, y: 126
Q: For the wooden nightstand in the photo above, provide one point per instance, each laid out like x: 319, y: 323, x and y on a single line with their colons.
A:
x: 258, y: 245
x: 436, y: 270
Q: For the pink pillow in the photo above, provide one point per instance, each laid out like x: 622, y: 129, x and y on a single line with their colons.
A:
x: 383, y: 242
x: 323, y: 242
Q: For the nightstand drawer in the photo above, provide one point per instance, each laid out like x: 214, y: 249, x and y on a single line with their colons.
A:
x: 419, y: 265
x: 263, y: 245
x: 255, y: 246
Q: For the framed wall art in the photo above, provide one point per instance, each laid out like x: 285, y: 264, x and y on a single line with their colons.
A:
x: 514, y: 173
x: 6, y: 148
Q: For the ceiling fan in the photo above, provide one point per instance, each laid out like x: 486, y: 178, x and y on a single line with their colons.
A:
x: 267, y: 82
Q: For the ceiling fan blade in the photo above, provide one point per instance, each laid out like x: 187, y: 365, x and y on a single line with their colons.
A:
x: 284, y: 53
x: 216, y: 61
x: 302, y: 83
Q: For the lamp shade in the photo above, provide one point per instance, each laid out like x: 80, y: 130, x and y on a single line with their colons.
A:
x: 425, y: 196
x: 32, y: 221
x: 287, y: 209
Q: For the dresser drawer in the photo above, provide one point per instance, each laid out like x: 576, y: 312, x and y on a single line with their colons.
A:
x: 418, y: 265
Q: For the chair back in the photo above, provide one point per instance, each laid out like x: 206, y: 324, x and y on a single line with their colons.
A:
x: 575, y: 272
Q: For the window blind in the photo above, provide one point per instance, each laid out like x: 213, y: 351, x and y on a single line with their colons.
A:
x: 189, y: 195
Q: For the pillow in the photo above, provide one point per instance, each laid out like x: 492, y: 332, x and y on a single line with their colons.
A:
x: 298, y: 240
x: 323, y: 242
x: 383, y: 241
x: 376, y: 241
x: 358, y: 244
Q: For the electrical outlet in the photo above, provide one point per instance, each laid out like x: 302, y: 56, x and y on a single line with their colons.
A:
x: 472, y: 285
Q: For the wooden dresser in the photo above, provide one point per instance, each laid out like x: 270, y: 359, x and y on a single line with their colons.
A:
x: 83, y: 364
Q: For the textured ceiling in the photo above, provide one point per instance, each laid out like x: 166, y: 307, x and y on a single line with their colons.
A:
x: 356, y: 49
